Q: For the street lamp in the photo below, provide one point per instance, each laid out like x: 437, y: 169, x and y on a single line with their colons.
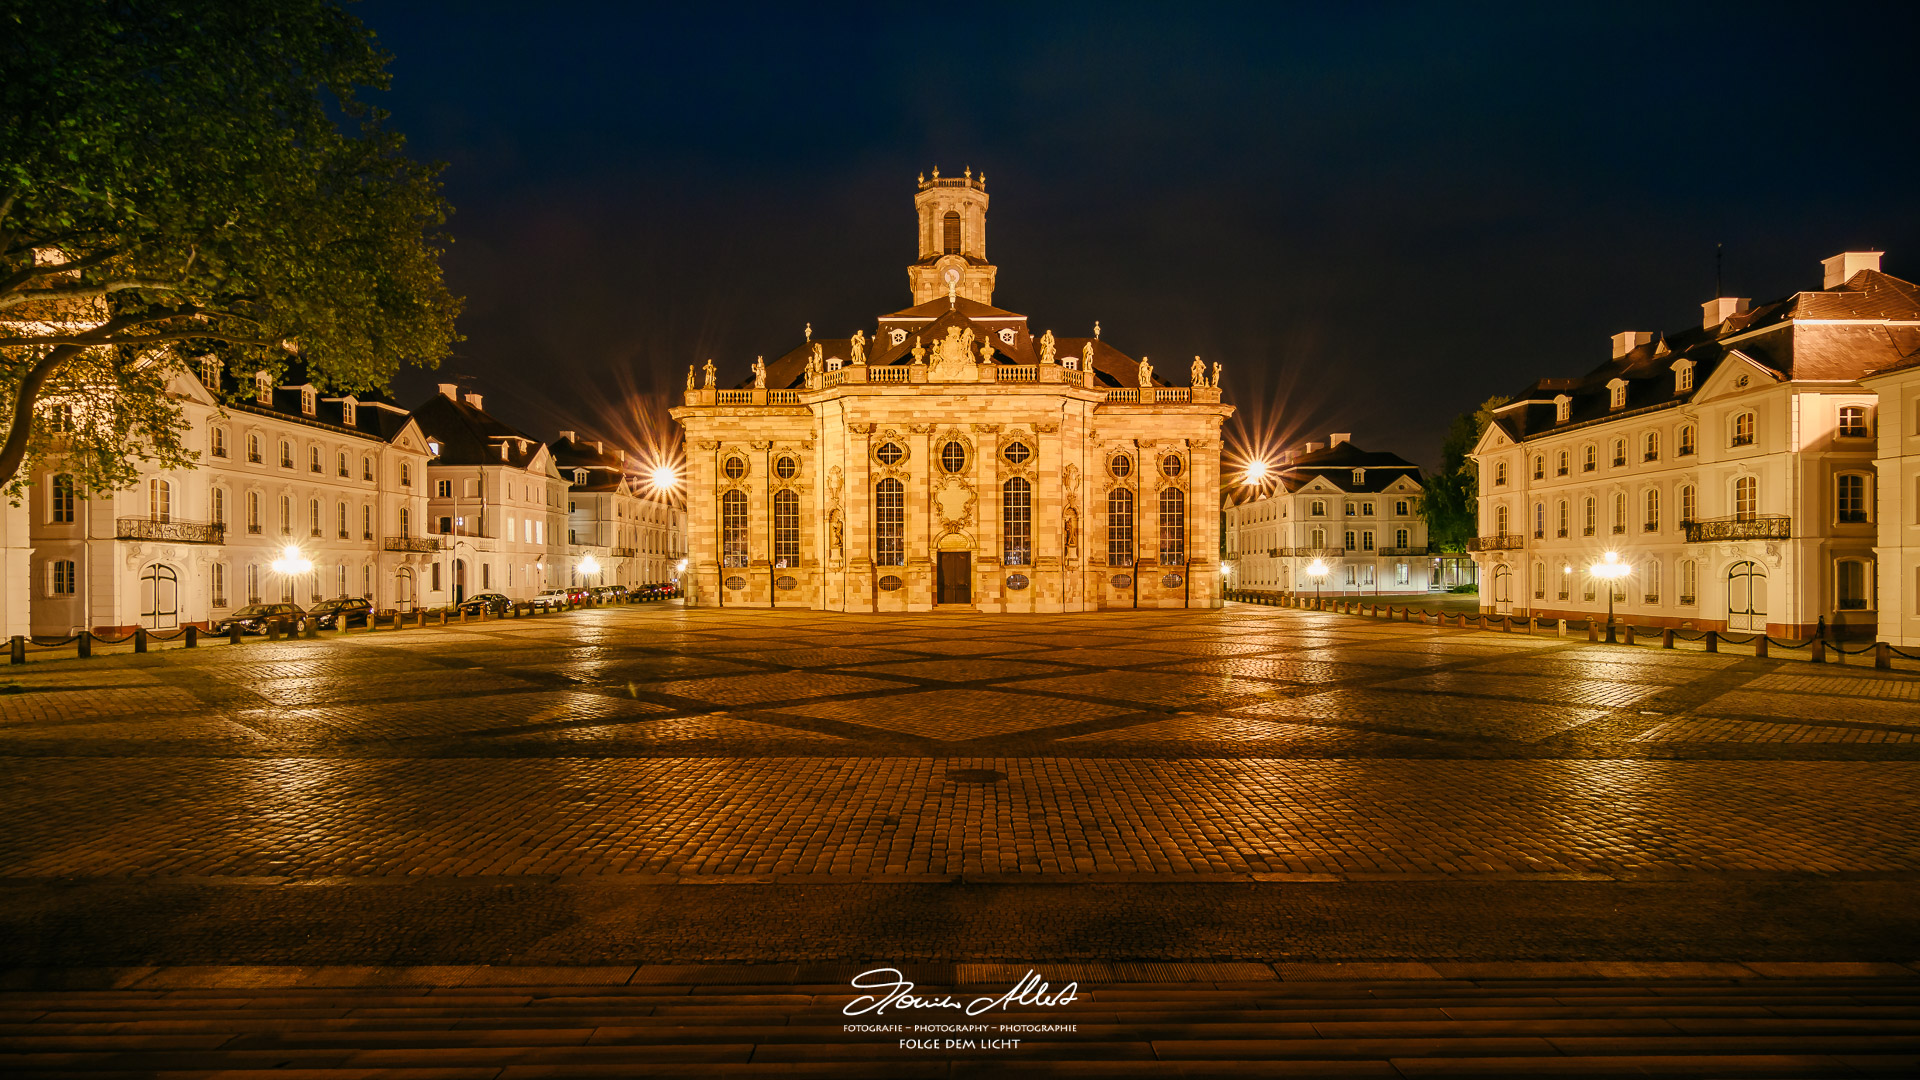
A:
x: 1609, y: 571
x: 1317, y: 570
x: 291, y: 564
x: 664, y: 478
x: 1256, y: 472
x: 590, y: 566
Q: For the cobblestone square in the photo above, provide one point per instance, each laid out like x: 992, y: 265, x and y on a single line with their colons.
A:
x: 954, y: 788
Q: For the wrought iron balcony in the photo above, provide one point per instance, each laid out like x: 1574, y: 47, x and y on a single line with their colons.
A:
x: 1496, y: 542
x: 179, y: 532
x: 623, y: 552
x: 1403, y: 551
x: 1758, y: 527
x: 412, y: 543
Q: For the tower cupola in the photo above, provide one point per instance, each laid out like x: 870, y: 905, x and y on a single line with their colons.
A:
x: 953, y: 239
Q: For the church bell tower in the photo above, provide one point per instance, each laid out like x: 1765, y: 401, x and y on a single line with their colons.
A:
x: 953, y: 239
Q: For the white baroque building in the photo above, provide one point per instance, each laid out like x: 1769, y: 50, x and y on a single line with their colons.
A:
x: 632, y: 529
x: 1731, y: 465
x: 497, y: 505
x: 340, y: 478
x: 1355, y: 512
x: 1897, y: 554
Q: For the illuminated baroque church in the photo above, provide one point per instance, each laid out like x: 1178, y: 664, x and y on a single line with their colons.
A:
x: 953, y: 458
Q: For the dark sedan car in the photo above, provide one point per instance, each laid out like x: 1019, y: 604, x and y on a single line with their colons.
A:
x: 492, y: 603
x: 340, y: 612
x: 606, y: 593
x: 253, y: 618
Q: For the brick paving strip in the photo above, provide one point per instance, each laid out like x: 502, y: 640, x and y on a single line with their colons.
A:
x: 1401, y: 1019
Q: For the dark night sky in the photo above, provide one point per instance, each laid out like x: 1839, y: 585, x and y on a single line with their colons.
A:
x: 1376, y: 217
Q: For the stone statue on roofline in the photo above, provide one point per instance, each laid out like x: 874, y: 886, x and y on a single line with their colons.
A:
x: 1046, y: 347
x: 689, y: 376
x: 1216, y: 374
x: 1199, y: 374
x: 986, y: 352
x: 818, y: 360
x: 919, y: 351
x: 859, y: 346
x: 1146, y: 373
x: 711, y: 374
x: 759, y: 373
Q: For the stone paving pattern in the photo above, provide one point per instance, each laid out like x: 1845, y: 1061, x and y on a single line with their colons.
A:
x: 797, y: 753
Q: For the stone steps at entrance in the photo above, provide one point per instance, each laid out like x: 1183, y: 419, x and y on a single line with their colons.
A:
x: 1802, y: 1020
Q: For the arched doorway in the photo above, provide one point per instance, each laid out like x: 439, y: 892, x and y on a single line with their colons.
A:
x: 1503, y: 588
x: 159, y: 597
x: 1747, y: 597
x: 403, y: 589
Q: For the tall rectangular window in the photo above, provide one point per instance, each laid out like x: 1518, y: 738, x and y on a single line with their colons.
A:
x: 733, y: 529
x: 218, y: 501
x: 1850, y: 497
x: 1016, y: 522
x: 786, y: 528
x: 1851, y: 584
x: 1120, y: 527
x: 62, y: 507
x: 62, y: 583
x: 1650, y: 582
x: 889, y: 523
x: 253, y: 584
x: 217, y: 579
x: 1173, y: 527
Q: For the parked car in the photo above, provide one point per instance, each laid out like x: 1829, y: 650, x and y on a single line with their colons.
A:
x: 606, y: 593
x: 550, y: 599
x: 253, y: 618
x: 492, y: 603
x: 341, y: 611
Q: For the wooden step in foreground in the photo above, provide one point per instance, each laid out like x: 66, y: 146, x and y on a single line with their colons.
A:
x: 1125, y: 1020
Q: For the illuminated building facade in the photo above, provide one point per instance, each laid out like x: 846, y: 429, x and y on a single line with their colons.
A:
x: 955, y: 459
x: 1356, y: 513
x: 616, y: 516
x: 1731, y: 465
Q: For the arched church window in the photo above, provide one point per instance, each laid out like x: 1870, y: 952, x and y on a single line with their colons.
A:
x: 1016, y: 521
x: 1120, y: 527
x: 733, y: 527
x: 953, y: 457
x: 1173, y: 526
x: 952, y: 230
x: 889, y: 523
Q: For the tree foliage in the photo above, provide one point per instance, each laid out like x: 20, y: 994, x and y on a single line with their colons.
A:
x: 181, y: 178
x: 1449, y: 502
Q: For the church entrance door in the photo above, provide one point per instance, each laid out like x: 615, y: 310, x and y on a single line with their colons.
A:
x: 956, y: 577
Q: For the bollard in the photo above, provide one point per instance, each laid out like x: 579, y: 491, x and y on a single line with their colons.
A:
x: 273, y: 630
x: 1561, y: 630
x: 85, y: 642
x: 233, y: 634
x: 1882, y: 655
x: 1593, y: 632
x: 193, y: 636
x: 17, y: 648
x: 1629, y: 634
x: 463, y: 614
x: 443, y: 616
x: 311, y: 629
x: 1713, y: 641
x: 1760, y: 646
x: 139, y: 639
x: 1818, y: 652
x: 1666, y: 638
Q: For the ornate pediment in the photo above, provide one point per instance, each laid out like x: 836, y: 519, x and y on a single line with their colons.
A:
x: 953, y: 358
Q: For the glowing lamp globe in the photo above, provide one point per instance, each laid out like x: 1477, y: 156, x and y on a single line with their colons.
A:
x: 1317, y: 569
x: 664, y: 476
x: 1256, y: 471
x: 291, y: 562
x: 589, y: 565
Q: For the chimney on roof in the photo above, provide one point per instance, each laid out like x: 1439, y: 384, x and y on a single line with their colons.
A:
x: 449, y: 390
x: 1313, y: 448
x: 598, y: 447
x: 473, y: 400
x: 567, y: 435
x: 1720, y: 309
x: 1841, y: 268
x: 1339, y: 437
x: 1626, y: 341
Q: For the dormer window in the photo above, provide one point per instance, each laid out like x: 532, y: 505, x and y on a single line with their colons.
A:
x: 580, y: 477
x: 1617, y: 394
x: 1682, y: 376
x: 210, y: 372
x: 307, y: 400
x: 1359, y: 476
x: 348, y: 409
x: 1562, y: 408
x: 263, y: 388
x: 503, y: 451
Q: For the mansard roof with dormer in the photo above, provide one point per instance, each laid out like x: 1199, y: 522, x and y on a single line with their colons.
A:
x: 469, y: 435
x: 375, y: 416
x: 1869, y: 323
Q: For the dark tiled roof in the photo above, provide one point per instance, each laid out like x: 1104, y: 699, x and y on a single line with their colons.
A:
x: 1336, y: 464
x: 607, y: 468
x: 1784, y: 337
x: 471, y: 436
x: 376, y: 416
